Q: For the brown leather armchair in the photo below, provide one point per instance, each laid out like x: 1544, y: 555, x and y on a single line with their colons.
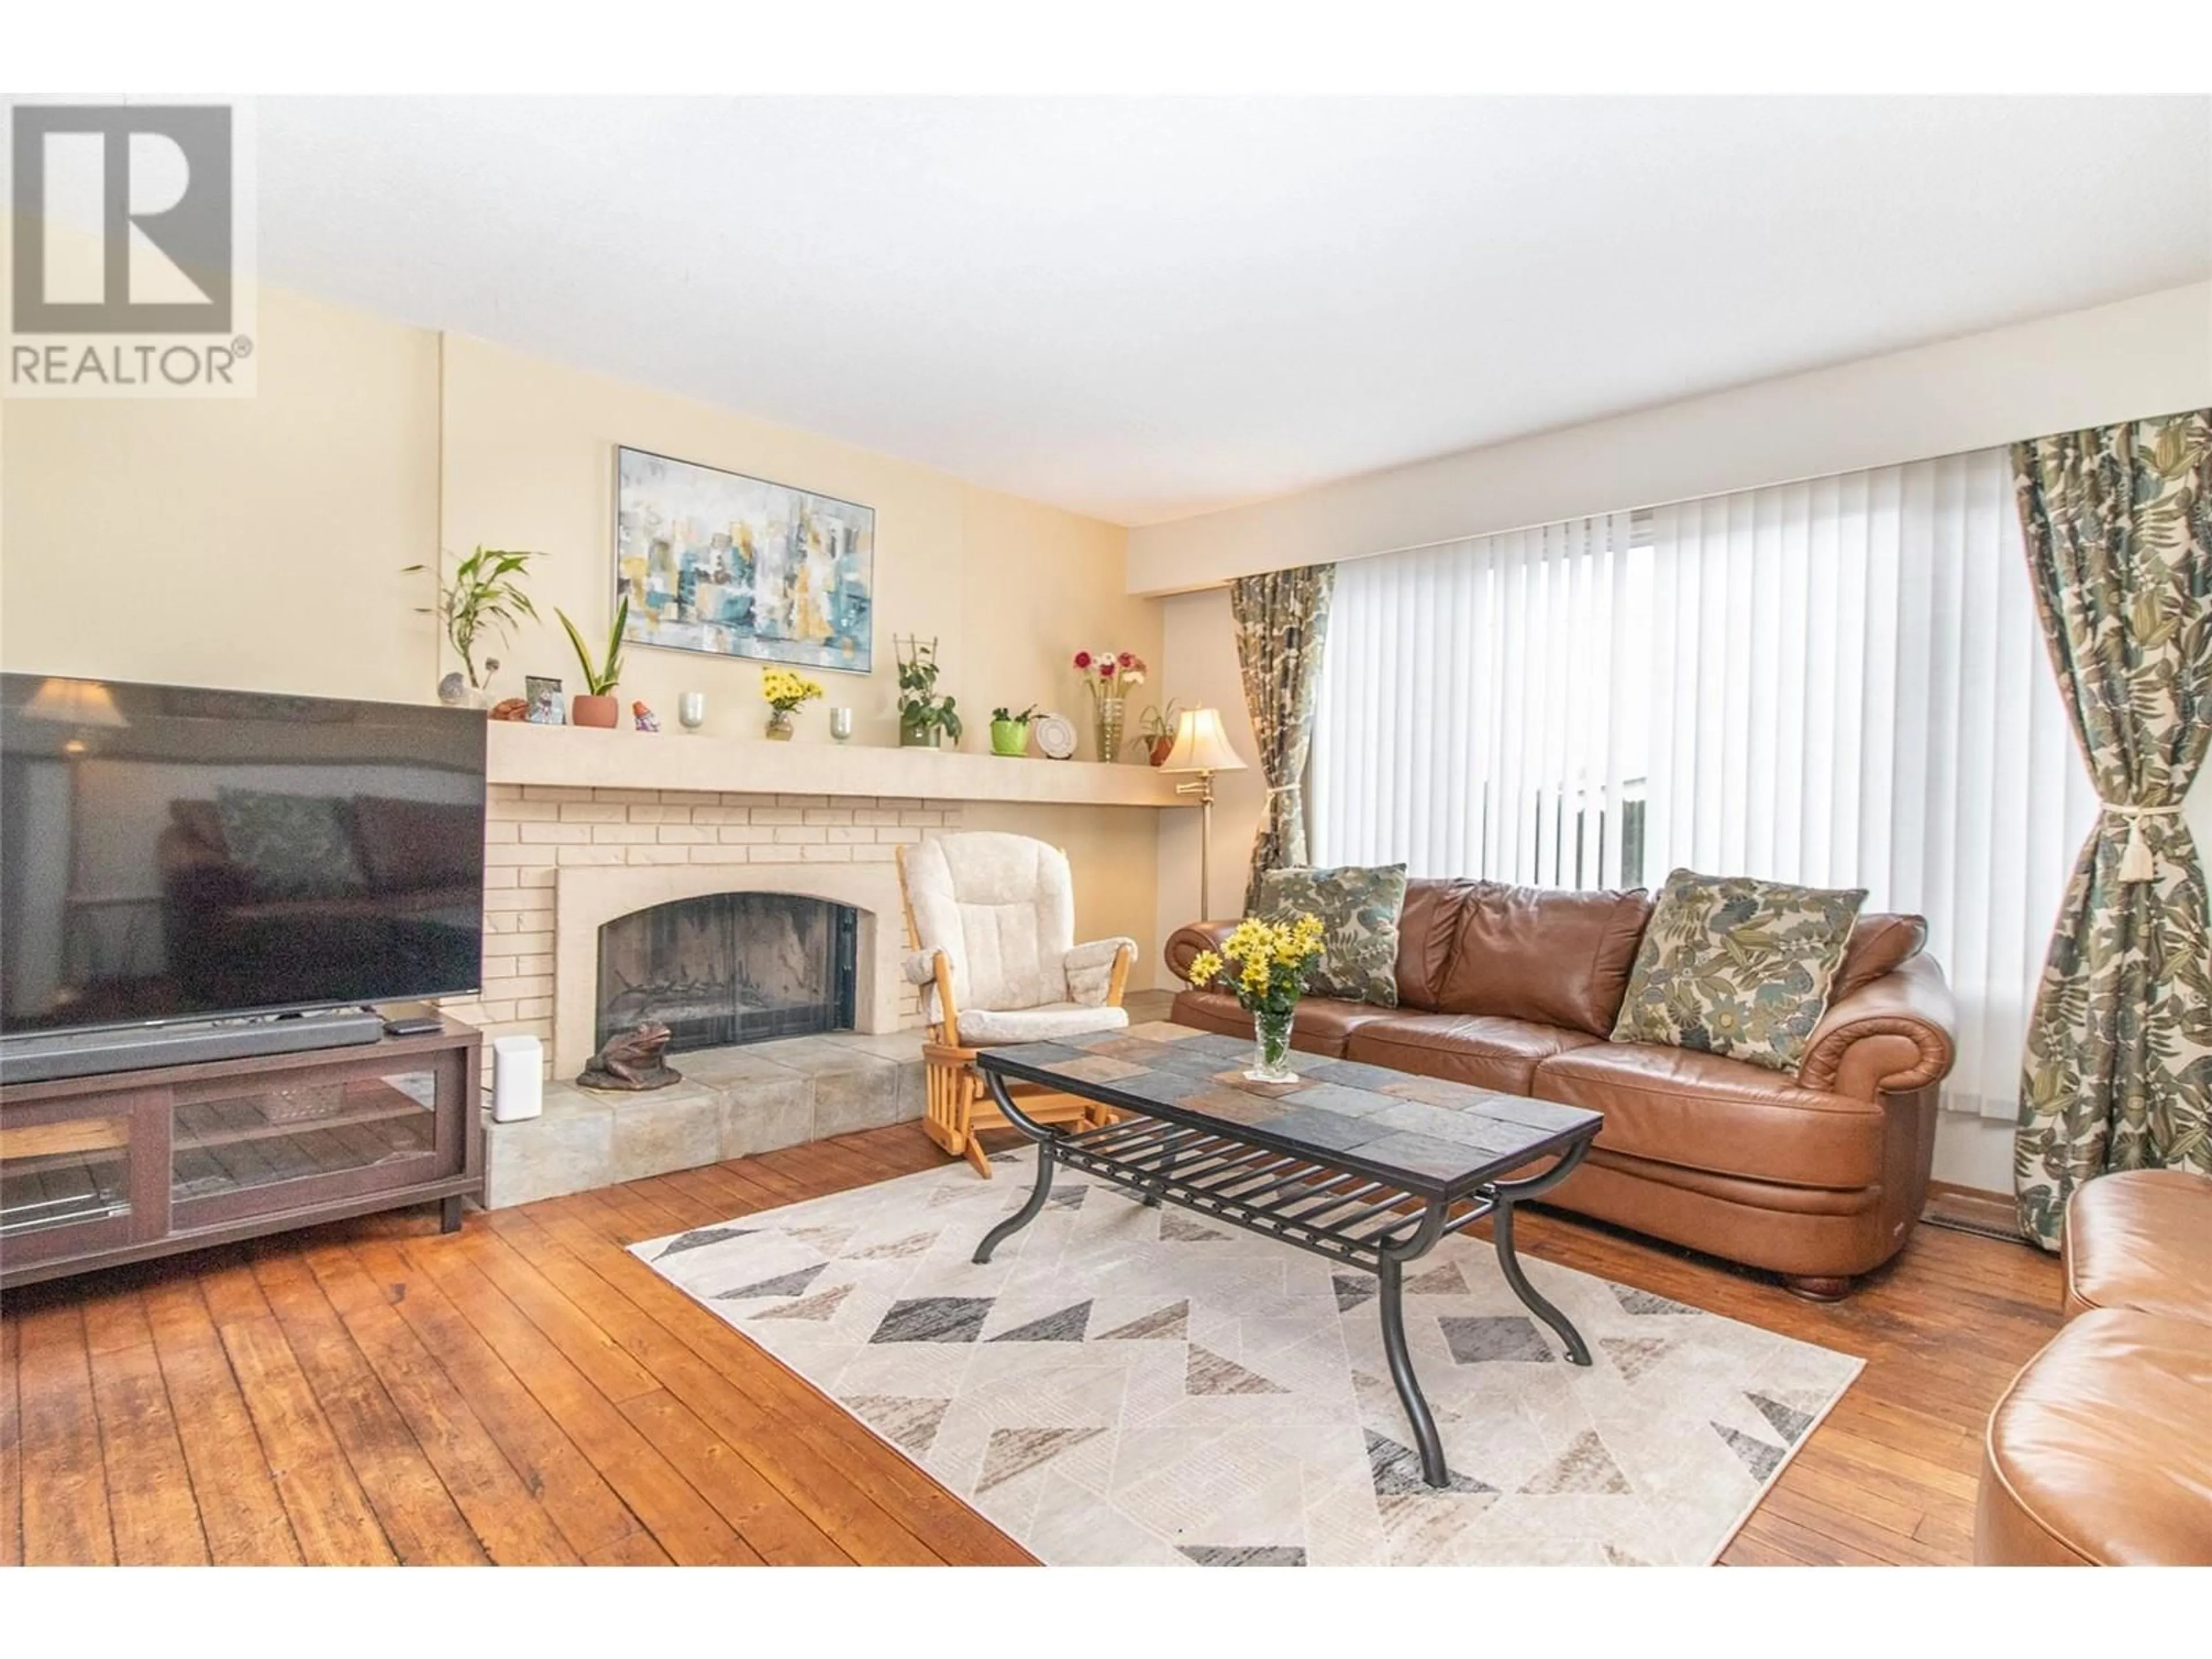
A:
x: 1818, y: 1176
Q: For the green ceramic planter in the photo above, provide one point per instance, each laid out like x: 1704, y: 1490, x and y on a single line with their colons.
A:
x: 1009, y: 737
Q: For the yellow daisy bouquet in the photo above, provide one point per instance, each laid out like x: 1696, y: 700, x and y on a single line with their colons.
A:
x: 785, y: 690
x: 1264, y: 963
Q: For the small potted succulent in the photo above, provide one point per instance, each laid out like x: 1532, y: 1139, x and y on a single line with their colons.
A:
x: 926, y: 719
x: 1010, y: 733
x: 785, y: 690
x: 1156, y: 730
x: 596, y: 704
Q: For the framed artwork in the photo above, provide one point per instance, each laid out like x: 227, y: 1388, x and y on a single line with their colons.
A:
x: 544, y: 693
x: 739, y: 566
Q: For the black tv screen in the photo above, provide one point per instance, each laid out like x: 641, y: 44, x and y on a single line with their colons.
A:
x: 168, y: 853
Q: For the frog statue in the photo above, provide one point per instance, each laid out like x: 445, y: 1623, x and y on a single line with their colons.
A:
x: 631, y: 1060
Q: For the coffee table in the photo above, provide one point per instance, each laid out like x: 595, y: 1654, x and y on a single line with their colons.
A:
x: 1357, y: 1163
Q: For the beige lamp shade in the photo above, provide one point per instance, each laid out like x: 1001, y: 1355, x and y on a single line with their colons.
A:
x: 1200, y: 745
x: 74, y: 702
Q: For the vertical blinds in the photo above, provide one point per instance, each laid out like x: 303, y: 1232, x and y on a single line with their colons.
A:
x: 1839, y: 682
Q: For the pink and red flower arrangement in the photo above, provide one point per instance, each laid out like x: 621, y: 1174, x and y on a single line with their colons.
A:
x: 1107, y: 673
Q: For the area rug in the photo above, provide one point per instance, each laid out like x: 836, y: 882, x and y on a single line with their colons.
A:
x: 1123, y: 1385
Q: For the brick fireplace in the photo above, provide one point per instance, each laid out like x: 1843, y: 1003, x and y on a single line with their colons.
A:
x: 562, y: 862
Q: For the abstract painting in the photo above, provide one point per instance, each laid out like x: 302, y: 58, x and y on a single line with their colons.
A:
x: 717, y: 561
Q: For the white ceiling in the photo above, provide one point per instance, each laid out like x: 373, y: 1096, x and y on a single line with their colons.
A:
x: 1144, y: 309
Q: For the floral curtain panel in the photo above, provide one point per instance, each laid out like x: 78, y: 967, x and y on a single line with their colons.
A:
x: 1282, y: 622
x: 2119, y: 1071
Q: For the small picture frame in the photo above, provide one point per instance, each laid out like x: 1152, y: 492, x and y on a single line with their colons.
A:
x: 543, y: 693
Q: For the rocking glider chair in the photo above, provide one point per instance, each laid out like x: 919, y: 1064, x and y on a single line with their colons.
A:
x: 990, y: 923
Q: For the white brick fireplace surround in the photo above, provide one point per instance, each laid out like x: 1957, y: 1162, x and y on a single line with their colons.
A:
x: 604, y: 836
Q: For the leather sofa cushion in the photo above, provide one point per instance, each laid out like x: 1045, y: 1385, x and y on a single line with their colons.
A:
x: 1323, y: 1024
x: 1428, y: 928
x: 1557, y: 958
x: 2141, y: 1239
x: 1704, y: 1111
x: 2097, y: 1455
x: 1879, y: 943
x: 1476, y: 1048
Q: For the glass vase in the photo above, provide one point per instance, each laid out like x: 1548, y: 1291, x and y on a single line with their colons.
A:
x: 780, y: 725
x: 1270, y: 1046
x: 1108, y: 717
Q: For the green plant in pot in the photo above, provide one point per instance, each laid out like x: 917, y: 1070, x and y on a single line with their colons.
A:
x: 596, y: 705
x: 926, y: 719
x: 1010, y: 733
x: 481, y: 603
x: 1156, y: 731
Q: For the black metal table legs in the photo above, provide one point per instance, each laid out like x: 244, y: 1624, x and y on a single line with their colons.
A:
x: 1294, y: 1199
x: 1022, y: 1218
x: 1507, y: 1193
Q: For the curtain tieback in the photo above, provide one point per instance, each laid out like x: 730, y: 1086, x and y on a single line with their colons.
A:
x: 2135, y: 861
x: 1283, y: 789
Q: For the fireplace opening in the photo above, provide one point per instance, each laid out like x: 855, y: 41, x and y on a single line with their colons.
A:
x: 729, y: 968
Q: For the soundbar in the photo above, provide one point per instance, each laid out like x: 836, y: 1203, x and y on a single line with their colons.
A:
x: 40, y: 1058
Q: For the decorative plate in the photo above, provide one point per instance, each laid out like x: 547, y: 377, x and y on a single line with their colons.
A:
x: 1055, y: 736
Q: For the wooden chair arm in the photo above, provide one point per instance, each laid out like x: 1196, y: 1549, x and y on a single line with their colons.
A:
x: 1122, y: 960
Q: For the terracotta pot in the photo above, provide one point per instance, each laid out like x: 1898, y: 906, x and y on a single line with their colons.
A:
x: 602, y: 712
x: 1162, y: 747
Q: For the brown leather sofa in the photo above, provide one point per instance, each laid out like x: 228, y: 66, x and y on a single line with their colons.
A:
x: 1818, y: 1177
x: 2100, y: 1452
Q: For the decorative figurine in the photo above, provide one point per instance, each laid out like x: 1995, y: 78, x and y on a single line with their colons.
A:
x: 631, y: 1061
x: 647, y: 719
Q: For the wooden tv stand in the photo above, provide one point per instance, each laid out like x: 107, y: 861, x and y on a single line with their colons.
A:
x: 128, y: 1165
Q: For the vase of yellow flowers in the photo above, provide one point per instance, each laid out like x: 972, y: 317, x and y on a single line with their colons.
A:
x: 1265, y: 964
x: 785, y: 691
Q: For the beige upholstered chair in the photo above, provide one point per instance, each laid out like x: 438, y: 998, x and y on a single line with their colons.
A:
x: 991, y: 930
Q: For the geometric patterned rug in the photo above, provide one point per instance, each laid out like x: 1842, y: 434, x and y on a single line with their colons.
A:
x: 1122, y: 1385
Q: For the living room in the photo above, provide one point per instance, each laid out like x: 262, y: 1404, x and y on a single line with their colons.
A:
x: 774, y: 830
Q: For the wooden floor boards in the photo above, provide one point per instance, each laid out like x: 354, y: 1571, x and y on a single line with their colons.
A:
x: 526, y: 1391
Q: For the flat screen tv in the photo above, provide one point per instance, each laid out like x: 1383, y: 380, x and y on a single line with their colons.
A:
x: 175, y: 853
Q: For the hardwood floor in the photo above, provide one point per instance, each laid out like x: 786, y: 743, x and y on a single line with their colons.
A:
x: 526, y: 1391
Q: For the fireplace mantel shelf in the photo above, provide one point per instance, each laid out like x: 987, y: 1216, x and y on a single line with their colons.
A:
x: 579, y: 758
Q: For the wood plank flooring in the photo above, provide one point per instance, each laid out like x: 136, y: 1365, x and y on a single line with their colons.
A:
x: 526, y: 1391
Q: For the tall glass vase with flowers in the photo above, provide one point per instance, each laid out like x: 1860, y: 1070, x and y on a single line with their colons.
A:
x: 1265, y: 964
x: 1108, y: 677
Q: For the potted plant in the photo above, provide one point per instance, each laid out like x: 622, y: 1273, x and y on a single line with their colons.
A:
x: 596, y: 705
x: 1010, y: 734
x: 1156, y: 730
x: 1264, y: 963
x: 484, y: 599
x: 1108, y: 675
x: 925, y: 719
x: 785, y: 690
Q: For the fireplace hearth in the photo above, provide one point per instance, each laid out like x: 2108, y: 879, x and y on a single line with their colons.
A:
x: 729, y: 968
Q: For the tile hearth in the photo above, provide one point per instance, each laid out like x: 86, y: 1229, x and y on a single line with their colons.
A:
x: 731, y: 1103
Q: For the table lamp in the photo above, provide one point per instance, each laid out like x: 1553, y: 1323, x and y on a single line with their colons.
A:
x: 1201, y: 746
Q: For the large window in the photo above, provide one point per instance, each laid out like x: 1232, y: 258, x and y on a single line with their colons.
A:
x: 1840, y: 682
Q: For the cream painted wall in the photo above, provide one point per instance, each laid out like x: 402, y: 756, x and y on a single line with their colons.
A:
x: 1009, y: 587
x: 253, y: 543
x: 2141, y: 357
x: 258, y: 543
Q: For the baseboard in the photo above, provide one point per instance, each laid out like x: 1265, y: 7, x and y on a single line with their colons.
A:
x: 1972, y: 1210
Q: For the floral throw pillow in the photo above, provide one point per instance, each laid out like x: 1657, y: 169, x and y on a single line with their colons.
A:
x: 1359, y: 911
x: 1733, y: 966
